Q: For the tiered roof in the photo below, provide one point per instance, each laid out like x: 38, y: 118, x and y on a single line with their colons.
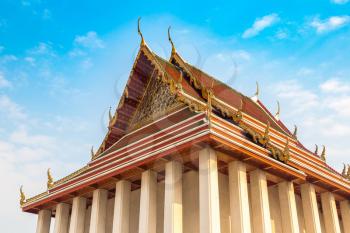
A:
x: 168, y: 105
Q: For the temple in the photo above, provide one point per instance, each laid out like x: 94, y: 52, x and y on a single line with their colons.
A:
x: 185, y: 153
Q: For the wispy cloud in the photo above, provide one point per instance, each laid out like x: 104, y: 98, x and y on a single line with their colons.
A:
x: 260, y: 24
x: 335, y: 86
x: 11, y: 109
x: 90, y: 40
x: 329, y: 24
x: 4, y: 82
x: 340, y: 2
x: 42, y: 49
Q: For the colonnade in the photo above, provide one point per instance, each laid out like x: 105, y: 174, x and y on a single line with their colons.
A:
x: 203, y: 201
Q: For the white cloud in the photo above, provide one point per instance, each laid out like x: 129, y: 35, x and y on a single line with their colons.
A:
x: 43, y: 49
x: 298, y: 97
x: 329, y: 24
x: 10, y: 108
x: 4, y: 82
x: 260, y: 24
x: 90, y: 40
x: 340, y: 2
x: 335, y: 86
x: 30, y: 60
x: 340, y: 104
x: 282, y: 34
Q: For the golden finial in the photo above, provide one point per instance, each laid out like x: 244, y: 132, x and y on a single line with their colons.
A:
x: 295, y: 133
x: 348, y: 173
x: 343, y: 173
x: 286, y: 148
x: 241, y: 106
x: 110, y: 114
x: 49, y: 179
x: 139, y: 31
x: 316, y: 150
x: 323, y: 154
x: 277, y: 116
x: 173, y: 50
x: 267, y: 130
x: 22, y: 196
x: 92, y: 152
x: 255, y: 98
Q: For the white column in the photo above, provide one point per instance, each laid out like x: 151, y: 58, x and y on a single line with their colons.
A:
x: 260, y: 202
x: 173, y: 198
x: 209, y: 210
x: 190, y: 201
x: 239, y: 201
x: 121, y: 207
x: 98, y: 211
x: 330, y: 214
x: 44, y: 221
x: 288, y: 207
x: 62, y: 218
x: 77, y: 220
x: 148, y: 203
x: 345, y: 214
x: 311, y: 214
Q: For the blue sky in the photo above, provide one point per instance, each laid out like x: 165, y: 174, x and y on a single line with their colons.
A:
x: 64, y: 63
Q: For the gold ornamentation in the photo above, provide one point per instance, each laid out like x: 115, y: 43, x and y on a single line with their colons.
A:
x: 277, y: 115
x: 238, y: 115
x: 160, y: 96
x: 255, y: 97
x: 295, y: 133
x: 316, y: 150
x: 22, y: 200
x: 92, y: 152
x: 173, y: 50
x: 50, y: 182
x: 110, y: 117
x: 344, y: 171
x: 139, y: 31
x: 323, y: 154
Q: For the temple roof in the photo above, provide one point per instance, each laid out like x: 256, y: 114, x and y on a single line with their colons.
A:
x: 160, y: 94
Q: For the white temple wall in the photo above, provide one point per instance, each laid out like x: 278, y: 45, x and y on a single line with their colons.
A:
x: 134, y: 211
x: 109, y: 215
x: 190, y: 202
x: 160, y: 207
x: 224, y: 197
x: 275, y: 211
x: 301, y: 218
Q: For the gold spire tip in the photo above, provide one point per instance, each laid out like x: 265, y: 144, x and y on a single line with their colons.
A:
x: 139, y: 31
x: 49, y: 179
x: 278, y: 113
x: 173, y: 50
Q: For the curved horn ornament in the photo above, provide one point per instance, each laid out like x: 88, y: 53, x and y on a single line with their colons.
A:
x: 22, y: 199
x: 49, y: 179
x: 323, y: 154
x: 295, y: 133
x: 139, y: 31
x: 255, y: 97
x: 277, y: 115
x: 173, y: 50
x: 316, y: 150
x: 92, y: 152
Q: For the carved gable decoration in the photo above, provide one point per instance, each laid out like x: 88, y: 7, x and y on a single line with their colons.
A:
x: 156, y: 102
